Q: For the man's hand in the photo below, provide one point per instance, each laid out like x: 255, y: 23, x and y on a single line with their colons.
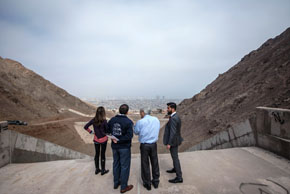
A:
x: 115, y: 141
x: 168, y: 147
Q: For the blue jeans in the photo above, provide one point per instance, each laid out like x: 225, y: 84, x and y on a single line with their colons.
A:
x: 121, y: 166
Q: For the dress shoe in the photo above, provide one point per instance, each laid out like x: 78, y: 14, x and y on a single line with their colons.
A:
x: 128, y: 188
x: 97, y: 171
x: 171, y: 171
x: 155, y: 185
x: 104, y: 172
x: 148, y: 187
x: 176, y: 180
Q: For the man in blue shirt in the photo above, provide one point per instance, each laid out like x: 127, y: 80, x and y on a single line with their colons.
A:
x: 148, y: 130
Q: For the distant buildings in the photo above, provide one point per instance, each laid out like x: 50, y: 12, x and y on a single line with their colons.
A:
x: 156, y: 105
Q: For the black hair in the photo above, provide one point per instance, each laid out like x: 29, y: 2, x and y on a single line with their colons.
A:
x: 124, y: 108
x: 171, y: 105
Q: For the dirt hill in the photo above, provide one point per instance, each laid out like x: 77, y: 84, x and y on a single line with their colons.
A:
x: 28, y: 96
x: 261, y: 78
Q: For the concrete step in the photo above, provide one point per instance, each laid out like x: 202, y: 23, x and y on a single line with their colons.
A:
x: 228, y: 171
x: 280, y: 138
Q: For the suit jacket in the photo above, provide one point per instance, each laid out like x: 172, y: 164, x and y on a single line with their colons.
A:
x: 172, y: 134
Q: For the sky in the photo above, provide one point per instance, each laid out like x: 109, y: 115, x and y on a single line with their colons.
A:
x: 134, y: 48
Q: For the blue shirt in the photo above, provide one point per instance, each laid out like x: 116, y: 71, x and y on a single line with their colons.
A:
x: 147, y: 129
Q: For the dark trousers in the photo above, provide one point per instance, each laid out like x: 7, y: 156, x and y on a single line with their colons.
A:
x: 149, y: 151
x: 176, y: 163
x: 101, y: 147
x: 121, y: 166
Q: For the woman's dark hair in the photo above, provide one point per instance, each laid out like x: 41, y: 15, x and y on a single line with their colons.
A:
x: 100, y: 116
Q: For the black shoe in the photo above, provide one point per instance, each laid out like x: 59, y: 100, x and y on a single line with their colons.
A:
x: 171, y: 171
x: 148, y: 187
x: 97, y: 171
x: 155, y: 185
x: 176, y: 180
x: 116, y: 186
x: 104, y: 172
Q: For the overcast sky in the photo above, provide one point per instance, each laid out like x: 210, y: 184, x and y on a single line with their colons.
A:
x: 136, y: 47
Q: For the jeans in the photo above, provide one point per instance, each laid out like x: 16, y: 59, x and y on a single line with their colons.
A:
x: 149, y: 151
x: 121, y: 166
x: 103, y: 147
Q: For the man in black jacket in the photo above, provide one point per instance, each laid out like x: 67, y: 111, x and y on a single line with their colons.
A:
x: 172, y: 139
x: 121, y: 127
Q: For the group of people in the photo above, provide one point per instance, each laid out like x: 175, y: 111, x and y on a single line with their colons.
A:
x: 120, y: 129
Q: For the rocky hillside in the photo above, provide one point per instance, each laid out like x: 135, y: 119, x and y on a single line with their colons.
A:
x: 28, y: 96
x: 261, y: 78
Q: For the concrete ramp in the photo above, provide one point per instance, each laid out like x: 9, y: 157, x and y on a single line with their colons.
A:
x: 229, y: 171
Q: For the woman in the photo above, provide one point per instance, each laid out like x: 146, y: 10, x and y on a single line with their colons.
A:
x: 100, y: 125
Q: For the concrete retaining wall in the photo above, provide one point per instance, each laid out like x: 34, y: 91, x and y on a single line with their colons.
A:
x: 273, y: 130
x: 269, y: 129
x: 5, y: 153
x: 240, y: 135
x: 19, y: 148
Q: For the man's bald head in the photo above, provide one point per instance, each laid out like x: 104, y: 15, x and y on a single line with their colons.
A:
x: 144, y: 112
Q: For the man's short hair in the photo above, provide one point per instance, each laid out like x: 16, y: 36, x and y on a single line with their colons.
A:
x: 171, y: 105
x: 146, y: 111
x: 124, y: 108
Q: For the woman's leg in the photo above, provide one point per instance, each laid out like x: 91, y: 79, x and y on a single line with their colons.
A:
x: 97, y: 156
x: 103, y: 158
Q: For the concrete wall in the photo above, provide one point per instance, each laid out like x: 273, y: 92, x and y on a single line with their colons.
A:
x: 272, y: 130
x: 5, y: 155
x: 19, y: 148
x: 240, y: 135
x: 269, y: 129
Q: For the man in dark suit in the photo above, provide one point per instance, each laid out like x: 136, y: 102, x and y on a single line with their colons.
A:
x: 172, y: 139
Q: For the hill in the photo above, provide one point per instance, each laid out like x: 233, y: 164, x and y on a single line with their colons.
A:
x: 27, y: 96
x: 261, y: 78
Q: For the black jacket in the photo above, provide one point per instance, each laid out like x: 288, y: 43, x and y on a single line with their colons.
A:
x: 172, y: 134
x: 100, y: 131
x: 121, y: 127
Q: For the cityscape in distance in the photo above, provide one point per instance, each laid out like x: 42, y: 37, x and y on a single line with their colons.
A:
x: 155, y: 104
